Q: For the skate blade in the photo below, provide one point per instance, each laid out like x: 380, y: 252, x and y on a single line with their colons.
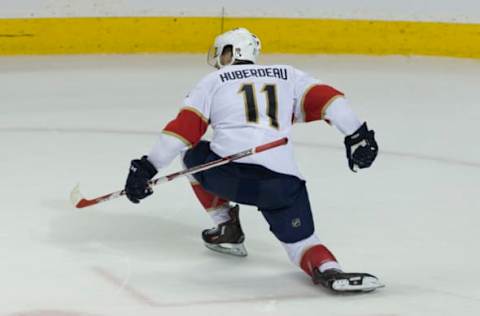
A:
x: 237, y: 250
x: 368, y: 284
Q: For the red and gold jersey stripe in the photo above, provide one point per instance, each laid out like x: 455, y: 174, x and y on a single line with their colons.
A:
x: 316, y: 100
x: 189, y: 126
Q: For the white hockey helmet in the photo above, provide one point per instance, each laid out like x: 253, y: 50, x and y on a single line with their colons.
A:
x: 245, y: 47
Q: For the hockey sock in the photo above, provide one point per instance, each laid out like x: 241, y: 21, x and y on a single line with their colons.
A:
x: 319, y: 257
x: 221, y: 214
x: 216, y: 207
x: 309, y: 253
x: 207, y: 199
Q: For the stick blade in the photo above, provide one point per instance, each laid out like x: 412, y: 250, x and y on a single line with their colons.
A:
x: 77, y: 198
x: 75, y: 195
x: 79, y: 201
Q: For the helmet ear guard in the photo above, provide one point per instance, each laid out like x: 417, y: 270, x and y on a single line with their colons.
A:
x: 245, y: 47
x: 215, y: 53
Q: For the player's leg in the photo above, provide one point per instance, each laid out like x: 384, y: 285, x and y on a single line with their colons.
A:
x: 293, y: 226
x: 258, y: 186
x: 215, y: 206
x: 227, y: 236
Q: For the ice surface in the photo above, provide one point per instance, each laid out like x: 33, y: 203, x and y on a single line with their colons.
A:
x: 412, y: 219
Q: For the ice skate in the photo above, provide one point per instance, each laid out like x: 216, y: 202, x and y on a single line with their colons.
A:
x: 227, y: 237
x: 339, y: 281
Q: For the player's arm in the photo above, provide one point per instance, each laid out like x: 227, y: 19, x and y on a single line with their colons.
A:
x: 360, y: 144
x: 323, y: 102
x: 183, y: 132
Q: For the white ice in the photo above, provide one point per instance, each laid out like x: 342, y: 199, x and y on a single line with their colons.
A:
x: 412, y: 219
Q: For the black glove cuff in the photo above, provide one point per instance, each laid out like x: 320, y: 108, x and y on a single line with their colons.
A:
x: 359, y: 135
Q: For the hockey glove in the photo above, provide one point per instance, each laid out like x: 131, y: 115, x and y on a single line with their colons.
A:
x: 137, y: 186
x: 361, y: 148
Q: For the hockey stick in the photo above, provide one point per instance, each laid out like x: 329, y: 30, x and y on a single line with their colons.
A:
x: 80, y: 202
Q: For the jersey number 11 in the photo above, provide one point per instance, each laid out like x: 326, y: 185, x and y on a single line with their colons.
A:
x: 251, y: 109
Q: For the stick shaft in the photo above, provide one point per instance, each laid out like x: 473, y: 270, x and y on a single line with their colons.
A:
x: 221, y: 161
x: 81, y: 202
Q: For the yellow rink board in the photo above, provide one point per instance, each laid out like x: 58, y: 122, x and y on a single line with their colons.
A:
x: 195, y: 34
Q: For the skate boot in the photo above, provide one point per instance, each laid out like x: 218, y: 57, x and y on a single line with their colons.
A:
x: 227, y: 237
x: 339, y: 281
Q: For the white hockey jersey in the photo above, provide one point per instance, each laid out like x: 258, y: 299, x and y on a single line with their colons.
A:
x: 249, y: 105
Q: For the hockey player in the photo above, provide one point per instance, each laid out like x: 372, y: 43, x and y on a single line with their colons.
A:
x: 247, y: 105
